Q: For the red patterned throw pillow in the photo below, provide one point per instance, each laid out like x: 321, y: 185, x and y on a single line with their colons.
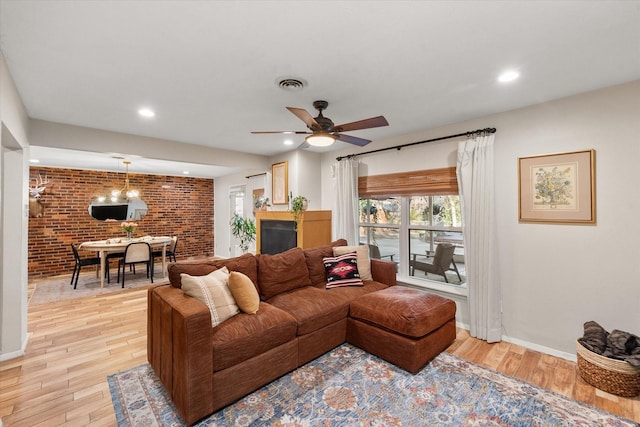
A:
x: 342, y: 270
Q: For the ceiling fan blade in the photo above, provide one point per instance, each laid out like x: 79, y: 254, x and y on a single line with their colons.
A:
x: 303, y: 145
x: 283, y: 131
x: 352, y: 139
x: 304, y: 115
x: 373, y: 122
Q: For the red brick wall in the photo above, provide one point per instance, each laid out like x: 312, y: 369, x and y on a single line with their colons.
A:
x: 179, y: 206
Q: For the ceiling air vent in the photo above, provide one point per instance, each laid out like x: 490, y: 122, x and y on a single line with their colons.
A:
x: 291, y: 83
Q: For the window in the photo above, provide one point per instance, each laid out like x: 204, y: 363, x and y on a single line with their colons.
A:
x: 408, y: 228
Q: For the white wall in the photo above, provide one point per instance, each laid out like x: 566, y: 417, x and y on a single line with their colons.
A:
x: 303, y: 177
x: 222, y: 210
x: 554, y: 277
x: 304, y: 174
x: 14, y: 172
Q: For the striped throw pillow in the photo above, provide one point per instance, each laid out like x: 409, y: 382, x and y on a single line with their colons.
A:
x: 213, y: 291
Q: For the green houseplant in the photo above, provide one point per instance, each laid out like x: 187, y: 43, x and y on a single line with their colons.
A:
x: 298, y: 205
x: 243, y: 229
x: 261, y: 203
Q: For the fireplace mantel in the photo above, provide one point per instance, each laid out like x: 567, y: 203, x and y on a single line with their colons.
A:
x: 314, y: 227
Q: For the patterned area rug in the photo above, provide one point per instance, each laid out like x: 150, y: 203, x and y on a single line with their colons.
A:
x: 349, y: 387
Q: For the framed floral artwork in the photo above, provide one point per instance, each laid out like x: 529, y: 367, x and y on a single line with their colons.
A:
x: 279, y: 183
x: 557, y: 188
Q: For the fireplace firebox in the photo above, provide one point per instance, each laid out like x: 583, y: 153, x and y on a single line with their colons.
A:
x: 277, y: 236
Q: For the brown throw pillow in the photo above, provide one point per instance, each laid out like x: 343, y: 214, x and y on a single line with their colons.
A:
x: 213, y: 291
x: 282, y: 272
x: 244, y: 292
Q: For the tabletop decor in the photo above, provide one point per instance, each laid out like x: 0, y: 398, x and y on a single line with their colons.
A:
x: 129, y: 227
x: 557, y: 188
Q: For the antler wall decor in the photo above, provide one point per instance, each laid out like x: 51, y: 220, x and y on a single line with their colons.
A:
x: 36, y: 208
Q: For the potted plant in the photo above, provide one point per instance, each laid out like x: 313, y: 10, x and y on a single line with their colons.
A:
x: 298, y: 205
x: 243, y: 229
x: 261, y: 203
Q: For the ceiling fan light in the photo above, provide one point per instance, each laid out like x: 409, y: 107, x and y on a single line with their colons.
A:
x: 321, y: 139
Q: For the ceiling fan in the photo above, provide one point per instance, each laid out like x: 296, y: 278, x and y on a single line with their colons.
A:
x: 324, y: 132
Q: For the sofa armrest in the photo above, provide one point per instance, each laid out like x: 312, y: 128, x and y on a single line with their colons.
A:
x: 179, y: 335
x: 384, y: 271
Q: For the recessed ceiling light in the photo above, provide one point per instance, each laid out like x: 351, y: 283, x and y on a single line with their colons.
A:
x: 288, y: 142
x: 185, y: 172
x: 508, y: 76
x: 34, y: 161
x: 146, y: 112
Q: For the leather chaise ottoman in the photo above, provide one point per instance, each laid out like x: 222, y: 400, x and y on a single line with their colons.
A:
x: 404, y: 326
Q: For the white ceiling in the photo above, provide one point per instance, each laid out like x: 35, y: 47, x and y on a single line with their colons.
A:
x: 210, y: 68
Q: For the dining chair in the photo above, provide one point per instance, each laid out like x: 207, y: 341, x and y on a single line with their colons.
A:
x: 83, y: 262
x: 113, y: 255
x: 171, y: 250
x: 136, y: 253
x: 442, y: 262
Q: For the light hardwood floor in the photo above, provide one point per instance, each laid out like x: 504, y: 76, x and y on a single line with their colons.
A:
x: 75, y: 344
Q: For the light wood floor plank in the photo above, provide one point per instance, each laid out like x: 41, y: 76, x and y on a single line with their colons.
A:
x: 75, y: 344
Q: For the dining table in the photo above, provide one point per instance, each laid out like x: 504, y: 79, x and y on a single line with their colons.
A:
x: 115, y: 245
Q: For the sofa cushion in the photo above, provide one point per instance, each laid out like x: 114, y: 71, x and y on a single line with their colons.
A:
x: 244, y: 292
x: 213, y: 291
x: 245, y: 336
x: 281, y: 272
x: 245, y: 264
x: 342, y: 270
x: 364, y: 263
x: 314, y: 256
x: 349, y: 293
x: 312, y: 308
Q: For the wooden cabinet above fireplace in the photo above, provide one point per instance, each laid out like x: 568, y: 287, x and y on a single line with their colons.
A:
x: 314, y: 227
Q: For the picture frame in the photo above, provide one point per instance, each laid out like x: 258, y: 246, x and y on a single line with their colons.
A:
x: 279, y: 183
x: 557, y: 188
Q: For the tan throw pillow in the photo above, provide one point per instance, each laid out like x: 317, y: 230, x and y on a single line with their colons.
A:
x: 213, y: 291
x: 244, y: 292
x: 364, y: 264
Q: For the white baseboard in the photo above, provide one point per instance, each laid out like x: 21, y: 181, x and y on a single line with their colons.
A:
x: 531, y: 346
x: 14, y: 354
x: 542, y: 349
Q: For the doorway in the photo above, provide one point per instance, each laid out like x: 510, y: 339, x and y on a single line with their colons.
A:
x: 236, y: 206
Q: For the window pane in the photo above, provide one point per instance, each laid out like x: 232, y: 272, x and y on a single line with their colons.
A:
x: 422, y: 247
x: 432, y: 221
x: 380, y: 211
x: 385, y: 240
x: 419, y: 210
x: 446, y: 211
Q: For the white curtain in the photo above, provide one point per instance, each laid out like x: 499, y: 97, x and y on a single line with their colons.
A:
x: 477, y: 199
x: 345, y: 218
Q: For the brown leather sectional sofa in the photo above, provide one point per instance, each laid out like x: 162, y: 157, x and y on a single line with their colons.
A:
x: 205, y: 368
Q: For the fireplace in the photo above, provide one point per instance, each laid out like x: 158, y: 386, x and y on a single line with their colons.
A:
x: 277, y: 236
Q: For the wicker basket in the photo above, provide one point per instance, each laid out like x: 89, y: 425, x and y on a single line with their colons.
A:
x: 611, y: 375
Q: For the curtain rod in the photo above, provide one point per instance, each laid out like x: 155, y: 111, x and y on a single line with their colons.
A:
x: 398, y: 147
x: 257, y: 174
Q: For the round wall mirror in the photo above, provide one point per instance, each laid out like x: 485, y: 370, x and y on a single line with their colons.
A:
x: 106, y: 210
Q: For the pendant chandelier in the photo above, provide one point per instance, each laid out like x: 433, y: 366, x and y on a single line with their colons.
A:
x: 125, y: 191
x: 124, y: 194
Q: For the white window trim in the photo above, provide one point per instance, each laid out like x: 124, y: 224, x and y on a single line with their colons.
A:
x: 432, y: 285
